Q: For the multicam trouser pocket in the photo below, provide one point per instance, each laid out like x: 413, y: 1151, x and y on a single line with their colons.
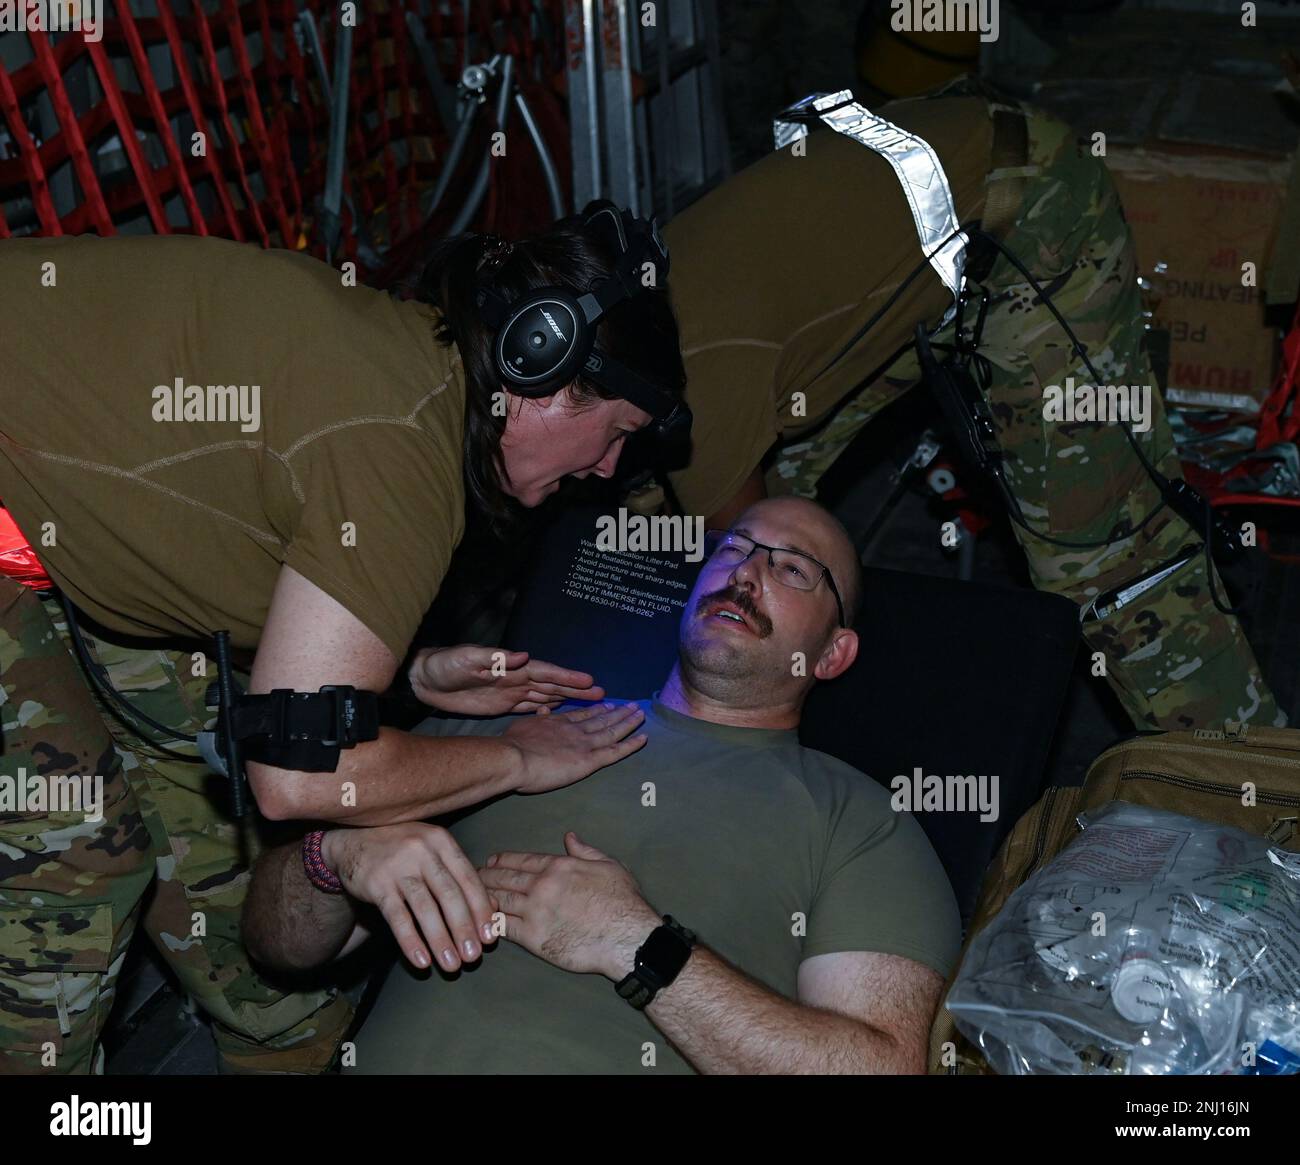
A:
x: 57, y: 974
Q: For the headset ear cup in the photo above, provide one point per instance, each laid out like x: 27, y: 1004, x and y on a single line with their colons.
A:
x: 543, y: 343
x: 544, y: 340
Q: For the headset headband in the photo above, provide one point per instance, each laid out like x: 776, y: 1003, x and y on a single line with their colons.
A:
x: 548, y: 336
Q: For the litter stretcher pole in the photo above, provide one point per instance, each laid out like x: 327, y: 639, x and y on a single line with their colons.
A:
x: 452, y: 159
x: 620, y: 133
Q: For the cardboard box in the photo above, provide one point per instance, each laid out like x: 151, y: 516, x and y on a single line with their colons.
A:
x: 1197, y: 217
x: 1198, y: 116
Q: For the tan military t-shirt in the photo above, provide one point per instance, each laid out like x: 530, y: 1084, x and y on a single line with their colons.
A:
x: 345, y: 464
x: 771, y: 852
x: 776, y: 270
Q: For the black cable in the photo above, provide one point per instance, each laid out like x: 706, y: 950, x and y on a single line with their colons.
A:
x: 98, y: 676
x: 1156, y: 476
x: 983, y: 378
x: 884, y: 307
x: 1209, y: 567
x: 1017, y: 515
x: 1161, y: 482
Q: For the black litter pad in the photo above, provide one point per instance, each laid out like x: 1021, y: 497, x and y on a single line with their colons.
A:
x: 955, y: 679
x: 613, y: 615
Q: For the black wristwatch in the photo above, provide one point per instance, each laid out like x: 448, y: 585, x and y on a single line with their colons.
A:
x: 659, y: 961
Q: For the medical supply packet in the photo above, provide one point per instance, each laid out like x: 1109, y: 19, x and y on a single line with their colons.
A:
x: 1153, y: 944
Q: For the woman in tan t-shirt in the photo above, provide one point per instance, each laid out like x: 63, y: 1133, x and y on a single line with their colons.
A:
x: 316, y: 533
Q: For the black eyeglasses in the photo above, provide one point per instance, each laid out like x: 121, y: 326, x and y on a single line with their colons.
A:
x: 794, y: 568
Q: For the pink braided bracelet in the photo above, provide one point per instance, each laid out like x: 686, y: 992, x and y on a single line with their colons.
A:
x: 318, y: 873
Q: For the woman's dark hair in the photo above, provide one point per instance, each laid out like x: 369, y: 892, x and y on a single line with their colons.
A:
x: 640, y: 332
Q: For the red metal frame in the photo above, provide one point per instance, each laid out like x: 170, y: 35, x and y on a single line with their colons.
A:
x: 1274, y: 425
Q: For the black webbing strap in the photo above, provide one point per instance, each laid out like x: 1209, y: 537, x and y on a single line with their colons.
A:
x: 304, y: 730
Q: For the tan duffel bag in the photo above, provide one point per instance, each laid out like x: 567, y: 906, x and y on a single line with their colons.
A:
x: 1244, y: 776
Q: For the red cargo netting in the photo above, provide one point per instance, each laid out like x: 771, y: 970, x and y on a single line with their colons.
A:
x: 210, y: 118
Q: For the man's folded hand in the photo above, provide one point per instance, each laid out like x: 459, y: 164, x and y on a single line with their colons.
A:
x: 581, y: 911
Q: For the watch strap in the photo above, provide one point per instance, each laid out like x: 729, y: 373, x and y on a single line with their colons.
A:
x: 659, y: 960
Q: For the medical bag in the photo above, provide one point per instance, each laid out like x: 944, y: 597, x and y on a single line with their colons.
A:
x: 1243, y: 776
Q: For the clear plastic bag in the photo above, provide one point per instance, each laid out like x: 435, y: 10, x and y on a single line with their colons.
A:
x: 1153, y: 944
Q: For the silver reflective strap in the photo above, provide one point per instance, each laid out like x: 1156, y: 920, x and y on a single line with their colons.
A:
x: 788, y: 132
x: 917, y: 166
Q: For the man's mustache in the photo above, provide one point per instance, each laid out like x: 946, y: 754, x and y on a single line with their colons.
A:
x: 739, y: 598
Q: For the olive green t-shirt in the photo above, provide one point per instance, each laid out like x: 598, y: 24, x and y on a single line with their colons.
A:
x: 345, y: 464
x: 777, y: 269
x: 772, y: 853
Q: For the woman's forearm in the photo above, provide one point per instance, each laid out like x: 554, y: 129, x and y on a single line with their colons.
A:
x: 398, y: 777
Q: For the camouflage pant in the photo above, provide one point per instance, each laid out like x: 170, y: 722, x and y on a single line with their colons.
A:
x: 73, y: 882
x: 1174, y: 660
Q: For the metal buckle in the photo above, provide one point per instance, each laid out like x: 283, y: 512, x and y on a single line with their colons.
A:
x: 279, y: 730
x: 344, y: 715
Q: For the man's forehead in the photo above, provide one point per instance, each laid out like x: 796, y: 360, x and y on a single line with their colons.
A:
x: 793, y: 535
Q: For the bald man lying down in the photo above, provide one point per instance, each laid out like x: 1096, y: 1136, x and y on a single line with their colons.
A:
x: 812, y: 927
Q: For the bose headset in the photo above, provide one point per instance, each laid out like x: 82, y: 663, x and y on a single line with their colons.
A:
x: 548, y: 336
